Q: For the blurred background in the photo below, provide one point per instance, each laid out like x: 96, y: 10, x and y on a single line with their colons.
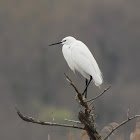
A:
x: 32, y: 74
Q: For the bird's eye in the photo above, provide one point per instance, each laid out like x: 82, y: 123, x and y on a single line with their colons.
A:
x: 64, y: 41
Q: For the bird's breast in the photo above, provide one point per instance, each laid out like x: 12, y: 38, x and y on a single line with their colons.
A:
x: 66, y: 50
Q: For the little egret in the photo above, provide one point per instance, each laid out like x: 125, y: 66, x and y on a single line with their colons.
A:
x: 79, y: 58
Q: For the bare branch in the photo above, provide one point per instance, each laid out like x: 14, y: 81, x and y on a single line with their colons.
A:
x: 121, y: 124
x: 128, y: 113
x: 89, y: 125
x: 78, y: 122
x: 52, y: 117
x: 32, y: 120
x: 99, y: 95
x: 85, y: 117
x: 71, y: 83
x: 79, y: 95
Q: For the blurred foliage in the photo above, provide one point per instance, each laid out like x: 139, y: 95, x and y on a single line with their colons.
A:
x: 107, y: 129
x: 136, y: 134
x: 58, y: 114
x: 47, y: 112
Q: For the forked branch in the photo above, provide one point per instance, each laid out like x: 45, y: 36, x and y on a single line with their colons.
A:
x: 79, y: 95
x: 32, y: 120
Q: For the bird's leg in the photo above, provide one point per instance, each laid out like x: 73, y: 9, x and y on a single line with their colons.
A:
x: 87, y: 84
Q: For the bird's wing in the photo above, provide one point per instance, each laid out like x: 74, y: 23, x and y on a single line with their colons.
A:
x: 85, y: 61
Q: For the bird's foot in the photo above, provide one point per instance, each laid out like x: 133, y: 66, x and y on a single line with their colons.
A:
x: 77, y: 99
x: 83, y: 97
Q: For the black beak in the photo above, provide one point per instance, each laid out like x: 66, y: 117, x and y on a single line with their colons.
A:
x: 55, y: 43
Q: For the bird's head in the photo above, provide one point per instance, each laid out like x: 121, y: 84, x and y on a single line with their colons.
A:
x: 65, y: 41
x: 68, y: 40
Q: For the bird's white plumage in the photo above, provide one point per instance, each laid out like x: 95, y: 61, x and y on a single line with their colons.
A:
x: 67, y: 55
x: 79, y: 58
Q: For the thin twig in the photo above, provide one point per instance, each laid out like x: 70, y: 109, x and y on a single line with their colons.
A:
x: 79, y: 95
x: 32, y: 120
x: 124, y: 122
x: 52, y: 117
x: 71, y: 83
x: 98, y: 95
x: 128, y: 113
x: 78, y: 122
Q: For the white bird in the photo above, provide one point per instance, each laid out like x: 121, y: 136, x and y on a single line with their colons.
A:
x: 79, y: 58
